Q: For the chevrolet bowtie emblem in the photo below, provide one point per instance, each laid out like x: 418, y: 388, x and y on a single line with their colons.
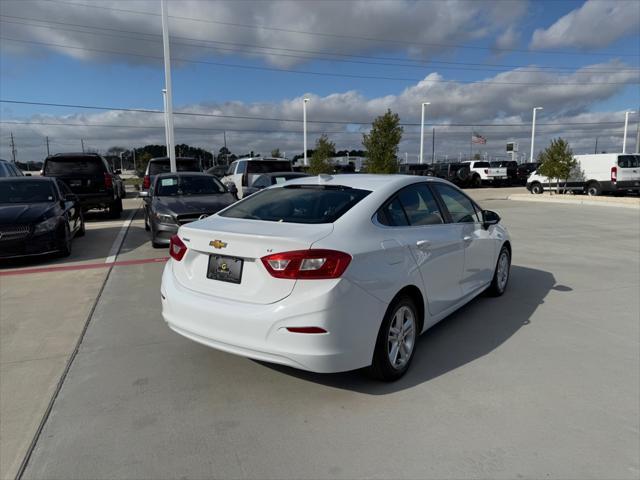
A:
x: 217, y: 244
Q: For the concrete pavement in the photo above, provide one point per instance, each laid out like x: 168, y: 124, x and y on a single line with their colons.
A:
x: 542, y: 382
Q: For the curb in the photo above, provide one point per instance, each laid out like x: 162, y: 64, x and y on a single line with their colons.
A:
x: 573, y: 201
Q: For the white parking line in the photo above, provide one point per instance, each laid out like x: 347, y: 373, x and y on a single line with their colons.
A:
x: 117, y: 243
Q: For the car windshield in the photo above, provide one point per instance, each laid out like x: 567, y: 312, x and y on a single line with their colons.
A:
x: 74, y: 165
x: 26, y: 192
x: 629, y: 161
x: 157, y: 167
x: 188, y: 185
x: 298, y: 204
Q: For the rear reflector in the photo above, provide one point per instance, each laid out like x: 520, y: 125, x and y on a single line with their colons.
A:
x: 614, y: 174
x: 108, y: 181
x: 177, y: 248
x: 306, y: 330
x: 146, y: 182
x: 307, y: 264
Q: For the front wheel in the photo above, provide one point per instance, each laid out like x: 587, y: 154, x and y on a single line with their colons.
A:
x: 593, y: 189
x: 65, y: 247
x: 536, y: 188
x: 501, y: 273
x: 396, y: 341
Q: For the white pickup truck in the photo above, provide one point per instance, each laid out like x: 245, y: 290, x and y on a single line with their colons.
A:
x: 481, y: 172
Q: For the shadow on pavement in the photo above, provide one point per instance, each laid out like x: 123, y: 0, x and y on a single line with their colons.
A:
x: 475, y: 330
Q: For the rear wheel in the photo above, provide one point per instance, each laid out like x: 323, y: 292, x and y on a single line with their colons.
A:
x: 396, y: 341
x: 536, y: 188
x: 501, y: 273
x: 115, y: 209
x: 593, y: 189
x: 476, y: 181
x: 146, y: 221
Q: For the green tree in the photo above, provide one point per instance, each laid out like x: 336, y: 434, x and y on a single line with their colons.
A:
x: 382, y: 143
x: 142, y: 161
x: 557, y: 161
x: 319, y: 162
x: 275, y: 153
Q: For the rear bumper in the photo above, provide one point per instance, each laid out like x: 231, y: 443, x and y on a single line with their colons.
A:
x: 351, y: 317
x: 626, y: 185
x: 91, y: 200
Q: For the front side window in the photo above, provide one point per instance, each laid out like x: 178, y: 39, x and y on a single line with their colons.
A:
x: 298, y: 204
x: 460, y: 207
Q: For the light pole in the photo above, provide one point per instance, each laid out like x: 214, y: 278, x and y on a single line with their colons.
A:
x: 424, y: 104
x: 626, y: 124
x: 168, y: 112
x: 533, y: 131
x: 304, y: 127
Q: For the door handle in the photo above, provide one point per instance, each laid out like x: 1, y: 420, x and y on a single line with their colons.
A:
x: 423, y: 244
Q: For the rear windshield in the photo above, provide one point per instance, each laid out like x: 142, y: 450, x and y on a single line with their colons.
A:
x: 629, y: 161
x: 26, y: 192
x: 481, y: 165
x: 74, y: 165
x: 188, y: 185
x: 268, y: 166
x: 298, y: 204
x: 157, y: 167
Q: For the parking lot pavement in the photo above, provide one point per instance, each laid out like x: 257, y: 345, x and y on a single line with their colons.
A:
x: 42, y: 314
x: 542, y: 382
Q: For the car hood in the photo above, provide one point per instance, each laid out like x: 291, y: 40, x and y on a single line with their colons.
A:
x: 25, y: 213
x: 193, y: 203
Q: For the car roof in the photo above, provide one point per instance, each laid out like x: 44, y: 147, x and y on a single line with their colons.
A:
x: 166, y: 159
x: 74, y: 154
x: 291, y: 174
x: 27, y: 179
x: 365, y: 181
x: 184, y: 174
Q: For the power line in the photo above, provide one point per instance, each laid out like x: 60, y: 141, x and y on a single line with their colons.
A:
x: 307, y: 53
x: 338, y: 35
x: 309, y: 72
x: 277, y: 119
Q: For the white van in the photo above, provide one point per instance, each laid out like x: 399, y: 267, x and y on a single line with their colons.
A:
x: 244, y: 171
x: 596, y: 174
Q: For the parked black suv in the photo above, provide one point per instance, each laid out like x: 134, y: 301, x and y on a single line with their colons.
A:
x: 89, y: 176
x: 456, y: 173
x: 524, y: 170
x: 512, y: 169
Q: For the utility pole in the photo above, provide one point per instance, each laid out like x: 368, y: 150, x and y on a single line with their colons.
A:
x: 134, y: 160
x: 13, y: 149
x: 304, y: 128
x: 626, y: 124
x: 638, y: 135
x: 167, y: 85
x: 424, y: 105
x: 595, y: 150
x: 82, y: 144
x: 47, y: 138
x: 433, y: 145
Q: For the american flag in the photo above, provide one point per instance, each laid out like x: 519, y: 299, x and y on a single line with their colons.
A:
x: 477, y: 138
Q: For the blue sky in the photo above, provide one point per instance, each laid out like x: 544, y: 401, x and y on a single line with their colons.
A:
x: 46, y: 73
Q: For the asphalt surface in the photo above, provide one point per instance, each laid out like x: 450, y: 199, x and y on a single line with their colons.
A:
x: 540, y: 383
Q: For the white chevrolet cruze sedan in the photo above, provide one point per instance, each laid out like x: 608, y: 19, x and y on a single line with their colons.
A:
x: 333, y: 273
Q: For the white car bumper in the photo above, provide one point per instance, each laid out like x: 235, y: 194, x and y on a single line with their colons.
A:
x: 351, y: 316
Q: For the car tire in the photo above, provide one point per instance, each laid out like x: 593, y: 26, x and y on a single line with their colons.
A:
x: 115, y: 209
x: 82, y: 230
x: 476, y: 181
x: 146, y: 222
x: 462, y: 174
x: 65, y: 248
x: 536, y: 188
x: 401, y: 323
x: 593, y: 189
x: 501, y: 273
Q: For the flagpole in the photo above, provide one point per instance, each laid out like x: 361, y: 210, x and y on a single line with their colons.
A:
x: 471, y: 146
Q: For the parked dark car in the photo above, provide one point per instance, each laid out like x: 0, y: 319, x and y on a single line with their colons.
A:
x: 90, y: 177
x: 37, y: 216
x: 512, y: 169
x: 421, y: 169
x: 524, y: 170
x: 456, y: 173
x: 179, y: 198
x: 267, y: 179
x: 159, y: 165
x: 8, y: 169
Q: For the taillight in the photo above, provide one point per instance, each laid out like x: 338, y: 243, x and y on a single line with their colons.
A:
x: 177, y: 248
x: 108, y: 181
x: 307, y: 264
x: 614, y: 174
x: 146, y: 182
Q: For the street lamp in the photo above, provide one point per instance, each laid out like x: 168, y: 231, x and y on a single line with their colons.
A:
x: 304, y: 127
x: 626, y: 124
x: 424, y: 104
x: 533, y: 131
x: 168, y: 111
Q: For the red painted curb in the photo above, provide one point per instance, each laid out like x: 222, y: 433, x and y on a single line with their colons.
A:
x: 86, y: 266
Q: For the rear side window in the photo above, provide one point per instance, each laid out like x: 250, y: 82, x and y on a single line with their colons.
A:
x: 74, y: 166
x: 629, y: 161
x: 268, y: 166
x: 298, y: 204
x: 481, y: 165
x: 414, y: 205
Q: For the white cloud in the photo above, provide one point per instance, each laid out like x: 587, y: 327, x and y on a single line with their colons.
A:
x: 596, y: 24
x: 451, y: 103
x: 508, y: 39
x: 430, y: 27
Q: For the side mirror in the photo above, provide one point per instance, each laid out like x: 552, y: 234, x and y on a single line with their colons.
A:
x: 490, y: 218
x: 231, y: 187
x: 144, y: 193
